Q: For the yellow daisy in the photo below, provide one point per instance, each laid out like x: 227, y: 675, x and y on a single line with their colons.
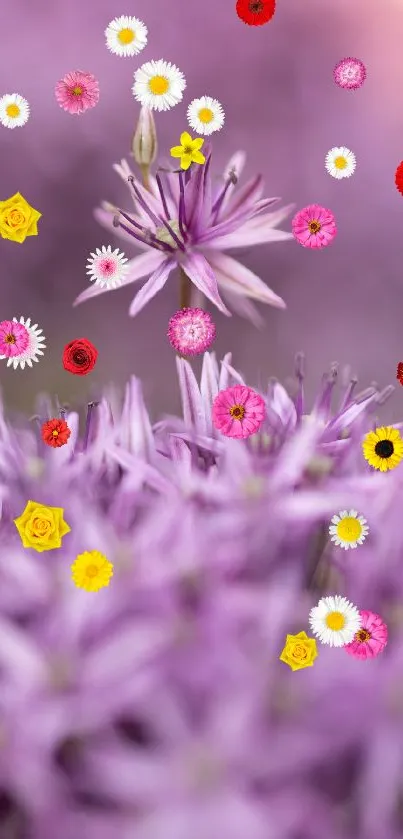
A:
x: 189, y: 150
x: 383, y: 448
x: 91, y: 571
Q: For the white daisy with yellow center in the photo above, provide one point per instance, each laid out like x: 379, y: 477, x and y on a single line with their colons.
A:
x: 205, y: 115
x: 158, y: 85
x: 14, y: 110
x: 335, y: 621
x: 340, y: 162
x: 126, y: 36
x: 348, y: 529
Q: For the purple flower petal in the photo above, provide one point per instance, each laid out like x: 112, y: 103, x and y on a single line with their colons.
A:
x: 199, y: 271
x: 152, y: 286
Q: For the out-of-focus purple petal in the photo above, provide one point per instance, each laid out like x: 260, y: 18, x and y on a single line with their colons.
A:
x: 238, y: 279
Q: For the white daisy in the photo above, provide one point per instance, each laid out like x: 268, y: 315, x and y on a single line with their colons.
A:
x: 348, y: 529
x: 205, y: 115
x: 14, y: 110
x: 158, y: 85
x: 107, y: 267
x: 340, y: 162
x: 34, y: 348
x: 126, y: 36
x: 335, y: 621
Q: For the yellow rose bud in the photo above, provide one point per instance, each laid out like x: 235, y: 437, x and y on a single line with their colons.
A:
x: 41, y: 527
x: 18, y: 219
x: 299, y: 651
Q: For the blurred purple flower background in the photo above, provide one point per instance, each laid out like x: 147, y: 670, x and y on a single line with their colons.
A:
x: 158, y: 708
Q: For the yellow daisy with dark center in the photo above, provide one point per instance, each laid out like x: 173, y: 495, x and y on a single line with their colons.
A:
x: 383, y: 448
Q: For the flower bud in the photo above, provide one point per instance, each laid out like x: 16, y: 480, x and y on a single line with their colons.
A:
x: 144, y: 143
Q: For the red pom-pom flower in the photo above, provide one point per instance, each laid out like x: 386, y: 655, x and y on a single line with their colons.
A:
x: 399, y: 374
x: 79, y: 357
x: 55, y: 432
x: 255, y: 12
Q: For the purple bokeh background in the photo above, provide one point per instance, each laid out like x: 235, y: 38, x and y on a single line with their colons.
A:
x: 283, y: 108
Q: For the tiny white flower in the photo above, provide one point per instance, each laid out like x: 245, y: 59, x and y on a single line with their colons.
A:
x: 340, y: 162
x: 158, y: 85
x: 14, y: 110
x: 126, y: 36
x: 335, y: 621
x: 348, y: 529
x: 205, y: 115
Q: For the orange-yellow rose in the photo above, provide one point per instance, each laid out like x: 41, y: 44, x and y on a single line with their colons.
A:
x: 299, y: 651
x: 41, y: 527
x: 18, y: 219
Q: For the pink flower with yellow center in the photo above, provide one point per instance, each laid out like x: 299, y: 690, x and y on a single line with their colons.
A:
x: 77, y: 91
x: 370, y: 639
x: 238, y: 411
x: 314, y: 226
x: 14, y: 339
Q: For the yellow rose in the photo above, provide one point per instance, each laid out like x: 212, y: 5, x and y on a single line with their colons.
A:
x: 41, y: 527
x: 299, y: 651
x: 18, y: 219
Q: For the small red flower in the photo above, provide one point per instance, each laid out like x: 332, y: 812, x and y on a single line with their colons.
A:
x: 55, y: 433
x: 399, y: 178
x: 255, y: 12
x: 399, y: 374
x: 79, y: 357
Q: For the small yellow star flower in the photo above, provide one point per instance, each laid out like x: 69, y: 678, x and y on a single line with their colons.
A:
x: 91, y: 571
x: 189, y: 150
x: 18, y: 219
x: 299, y: 651
x: 40, y: 527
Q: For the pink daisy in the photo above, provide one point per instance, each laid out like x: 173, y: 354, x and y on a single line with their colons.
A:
x: 238, y: 411
x: 77, y: 92
x: 350, y: 73
x: 371, y: 639
x: 314, y: 226
x: 191, y: 331
x: 14, y: 339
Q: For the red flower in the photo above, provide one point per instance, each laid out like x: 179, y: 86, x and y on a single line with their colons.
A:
x: 79, y: 357
x: 255, y: 12
x: 399, y: 375
x: 399, y: 178
x: 55, y: 433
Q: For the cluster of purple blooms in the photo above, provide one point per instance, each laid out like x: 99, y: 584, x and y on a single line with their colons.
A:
x: 158, y: 708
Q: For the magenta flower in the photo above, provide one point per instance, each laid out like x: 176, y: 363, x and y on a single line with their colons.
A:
x: 238, y: 411
x: 191, y: 331
x: 14, y: 339
x: 314, y: 226
x: 188, y: 222
x: 371, y: 639
x: 77, y: 92
x: 350, y: 73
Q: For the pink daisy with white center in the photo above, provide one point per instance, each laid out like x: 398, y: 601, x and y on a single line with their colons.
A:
x: 77, y: 91
x: 191, y: 331
x: 350, y: 73
x: 314, y: 226
x: 14, y: 339
x: 238, y: 411
x: 107, y: 268
x: 370, y: 639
